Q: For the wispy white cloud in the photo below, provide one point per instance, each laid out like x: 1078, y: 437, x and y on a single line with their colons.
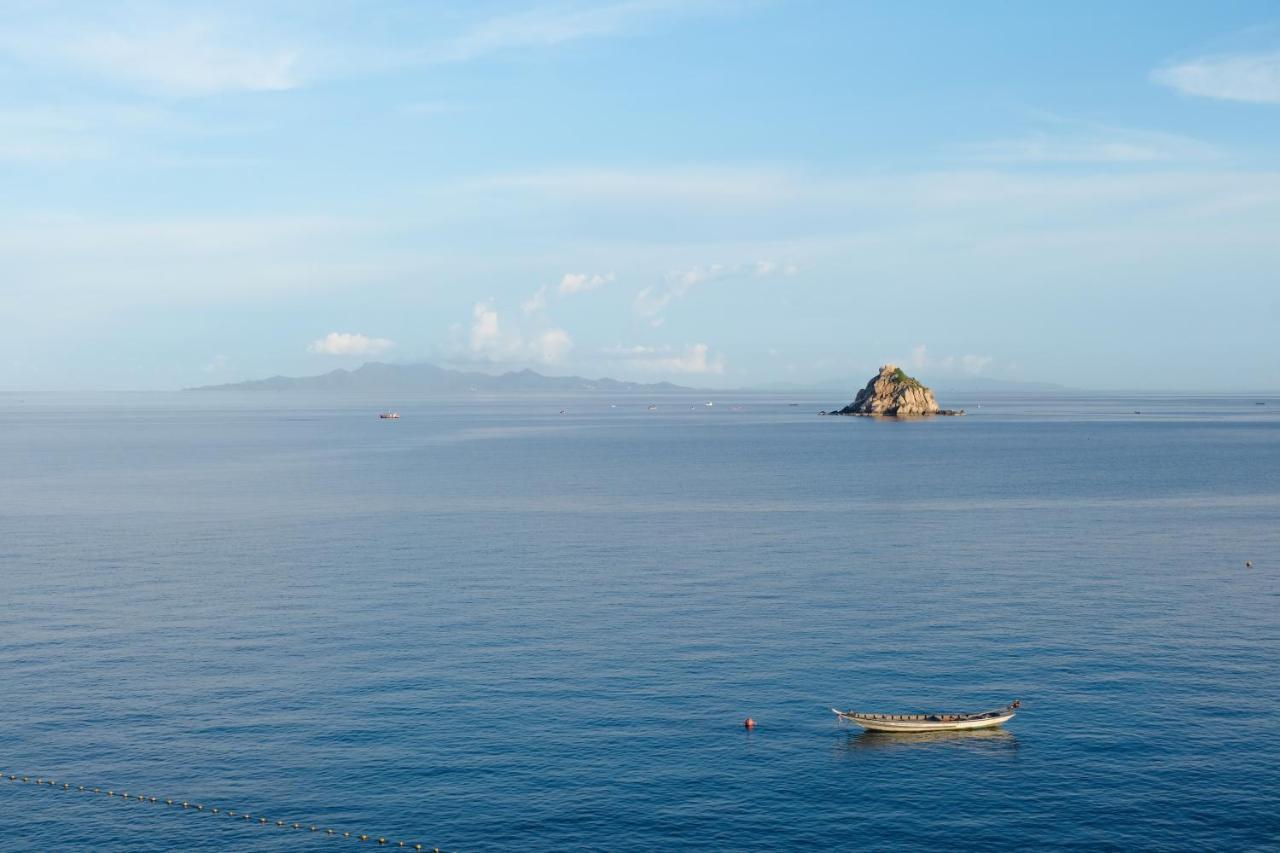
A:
x: 34, y: 149
x: 536, y: 302
x: 650, y: 302
x: 349, y: 343
x: 490, y: 342
x: 1249, y: 77
x: 82, y: 130
x: 61, y: 264
x: 42, y: 134
x: 580, y: 282
x: 165, y: 237
x: 797, y: 196
x: 550, y: 346
x: 555, y: 24
x: 189, y: 50
x: 486, y: 330
x: 217, y: 364
x: 701, y: 185
x: 110, y: 261
x: 571, y: 283
x: 1094, y: 144
x: 969, y: 364
x: 691, y: 360
x: 192, y: 54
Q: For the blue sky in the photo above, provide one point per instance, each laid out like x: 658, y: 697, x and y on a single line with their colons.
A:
x: 716, y: 193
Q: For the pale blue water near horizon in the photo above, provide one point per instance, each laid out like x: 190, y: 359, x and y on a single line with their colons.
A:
x: 489, y: 626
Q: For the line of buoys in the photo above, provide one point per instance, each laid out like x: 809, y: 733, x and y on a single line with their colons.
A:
x: 187, y: 804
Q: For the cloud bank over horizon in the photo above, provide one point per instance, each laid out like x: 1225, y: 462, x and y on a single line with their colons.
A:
x: 348, y: 343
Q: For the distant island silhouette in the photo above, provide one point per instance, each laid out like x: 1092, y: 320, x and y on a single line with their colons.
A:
x: 376, y: 376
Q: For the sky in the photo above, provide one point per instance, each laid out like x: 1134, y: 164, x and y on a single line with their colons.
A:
x: 711, y: 192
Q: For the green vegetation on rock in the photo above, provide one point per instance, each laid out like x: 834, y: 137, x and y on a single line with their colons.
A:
x: 900, y: 376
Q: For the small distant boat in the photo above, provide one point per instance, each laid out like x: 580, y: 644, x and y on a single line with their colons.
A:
x: 653, y: 407
x: 931, y: 722
x: 390, y: 416
x: 709, y: 403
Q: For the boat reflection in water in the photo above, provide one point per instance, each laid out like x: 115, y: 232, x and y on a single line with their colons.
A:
x: 984, y: 740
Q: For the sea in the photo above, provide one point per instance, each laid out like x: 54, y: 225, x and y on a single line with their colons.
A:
x: 538, y: 623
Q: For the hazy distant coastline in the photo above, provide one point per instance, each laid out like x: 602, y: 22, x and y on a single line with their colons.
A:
x: 429, y: 378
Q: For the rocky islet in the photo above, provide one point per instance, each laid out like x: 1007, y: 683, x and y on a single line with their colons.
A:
x: 892, y: 393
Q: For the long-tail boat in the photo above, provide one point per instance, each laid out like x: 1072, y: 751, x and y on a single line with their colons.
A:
x: 930, y: 722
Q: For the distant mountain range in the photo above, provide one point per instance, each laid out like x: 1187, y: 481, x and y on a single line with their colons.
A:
x: 429, y: 379
x: 379, y: 377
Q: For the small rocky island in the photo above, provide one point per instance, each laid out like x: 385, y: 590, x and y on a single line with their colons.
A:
x: 892, y: 393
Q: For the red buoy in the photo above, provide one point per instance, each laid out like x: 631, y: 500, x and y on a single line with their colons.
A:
x: 748, y: 723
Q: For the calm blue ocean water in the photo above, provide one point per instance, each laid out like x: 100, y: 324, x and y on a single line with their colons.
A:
x: 489, y: 626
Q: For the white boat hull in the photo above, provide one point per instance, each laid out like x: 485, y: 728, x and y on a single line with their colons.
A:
x: 921, y: 723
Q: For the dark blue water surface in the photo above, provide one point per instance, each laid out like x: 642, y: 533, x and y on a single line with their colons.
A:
x: 489, y: 626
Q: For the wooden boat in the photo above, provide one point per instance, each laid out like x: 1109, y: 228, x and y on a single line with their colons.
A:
x: 931, y: 722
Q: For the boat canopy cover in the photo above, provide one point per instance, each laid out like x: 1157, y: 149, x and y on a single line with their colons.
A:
x: 942, y: 718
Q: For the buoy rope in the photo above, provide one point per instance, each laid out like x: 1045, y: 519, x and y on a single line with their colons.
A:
x: 188, y: 805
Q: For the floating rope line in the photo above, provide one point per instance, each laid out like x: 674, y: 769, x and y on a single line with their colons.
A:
x: 187, y: 805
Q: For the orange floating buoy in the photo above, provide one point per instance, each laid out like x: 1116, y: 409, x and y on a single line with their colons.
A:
x: 748, y: 723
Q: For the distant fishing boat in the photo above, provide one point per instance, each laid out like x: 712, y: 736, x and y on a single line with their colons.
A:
x: 652, y: 407
x: 931, y: 722
x: 709, y: 403
x: 389, y: 416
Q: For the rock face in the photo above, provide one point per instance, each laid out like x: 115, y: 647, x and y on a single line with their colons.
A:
x: 893, y: 393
